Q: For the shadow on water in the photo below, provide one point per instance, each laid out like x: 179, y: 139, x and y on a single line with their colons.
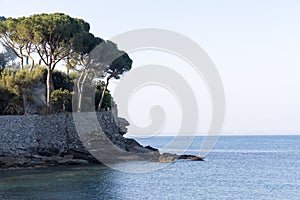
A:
x: 72, y: 182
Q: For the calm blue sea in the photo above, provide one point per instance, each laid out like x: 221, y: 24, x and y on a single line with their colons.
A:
x: 239, y: 167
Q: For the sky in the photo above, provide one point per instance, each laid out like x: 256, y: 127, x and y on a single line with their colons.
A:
x: 255, y: 46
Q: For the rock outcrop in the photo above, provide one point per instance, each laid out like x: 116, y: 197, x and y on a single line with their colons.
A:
x: 37, y: 162
x: 28, y: 141
x: 47, y: 140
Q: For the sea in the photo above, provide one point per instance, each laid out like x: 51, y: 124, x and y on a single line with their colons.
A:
x: 238, y: 167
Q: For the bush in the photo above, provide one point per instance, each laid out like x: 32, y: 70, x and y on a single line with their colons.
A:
x: 62, y: 100
x: 106, y: 104
x: 23, y: 91
x: 14, y: 106
x: 7, y: 99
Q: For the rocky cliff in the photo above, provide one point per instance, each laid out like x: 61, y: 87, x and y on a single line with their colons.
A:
x: 43, y: 140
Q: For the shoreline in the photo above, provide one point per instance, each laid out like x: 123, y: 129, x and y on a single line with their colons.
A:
x: 34, y: 141
x: 38, y: 162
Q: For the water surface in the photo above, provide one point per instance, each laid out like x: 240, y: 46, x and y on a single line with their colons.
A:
x: 251, y: 167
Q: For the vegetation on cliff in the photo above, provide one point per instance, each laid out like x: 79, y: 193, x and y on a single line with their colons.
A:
x: 34, y: 46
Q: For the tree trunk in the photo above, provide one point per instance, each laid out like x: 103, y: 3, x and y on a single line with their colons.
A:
x: 32, y: 64
x: 103, y: 93
x: 21, y: 58
x: 27, y: 60
x: 22, y: 62
x: 80, y: 88
x: 68, y: 66
x: 64, y: 106
x: 31, y: 58
x: 49, y: 88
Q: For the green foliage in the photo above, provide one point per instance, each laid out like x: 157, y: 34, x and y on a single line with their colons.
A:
x: 14, y: 106
x: 120, y: 65
x: 106, y: 104
x: 15, y: 83
x: 108, y: 55
x: 10, y: 99
x: 20, y: 81
x: 53, y: 38
x: 112, y: 62
x: 62, y: 99
x: 26, y: 79
x: 5, y: 99
x: 62, y: 81
x: 57, y: 36
x: 2, y: 18
x: 73, y: 75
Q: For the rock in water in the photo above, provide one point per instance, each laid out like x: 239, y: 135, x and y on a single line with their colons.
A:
x: 191, y: 157
x: 168, y: 157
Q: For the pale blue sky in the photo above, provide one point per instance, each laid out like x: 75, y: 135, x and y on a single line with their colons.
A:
x: 255, y: 46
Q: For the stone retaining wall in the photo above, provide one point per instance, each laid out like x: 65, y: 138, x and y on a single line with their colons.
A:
x: 50, y: 135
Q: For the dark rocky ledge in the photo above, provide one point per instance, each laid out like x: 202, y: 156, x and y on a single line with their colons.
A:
x: 83, y: 158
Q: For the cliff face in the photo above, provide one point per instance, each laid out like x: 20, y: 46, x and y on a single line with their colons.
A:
x: 52, y: 139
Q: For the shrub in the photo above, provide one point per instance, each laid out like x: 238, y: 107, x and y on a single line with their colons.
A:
x: 62, y: 100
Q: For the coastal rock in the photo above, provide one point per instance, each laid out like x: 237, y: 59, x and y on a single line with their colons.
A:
x: 28, y: 141
x: 168, y: 157
x: 47, y: 140
x: 151, y: 148
x: 190, y: 157
x: 122, y: 124
x: 132, y: 145
x: 72, y: 162
x: 82, y: 154
x: 37, y: 162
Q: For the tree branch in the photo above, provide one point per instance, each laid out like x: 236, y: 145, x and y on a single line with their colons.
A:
x: 41, y: 56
